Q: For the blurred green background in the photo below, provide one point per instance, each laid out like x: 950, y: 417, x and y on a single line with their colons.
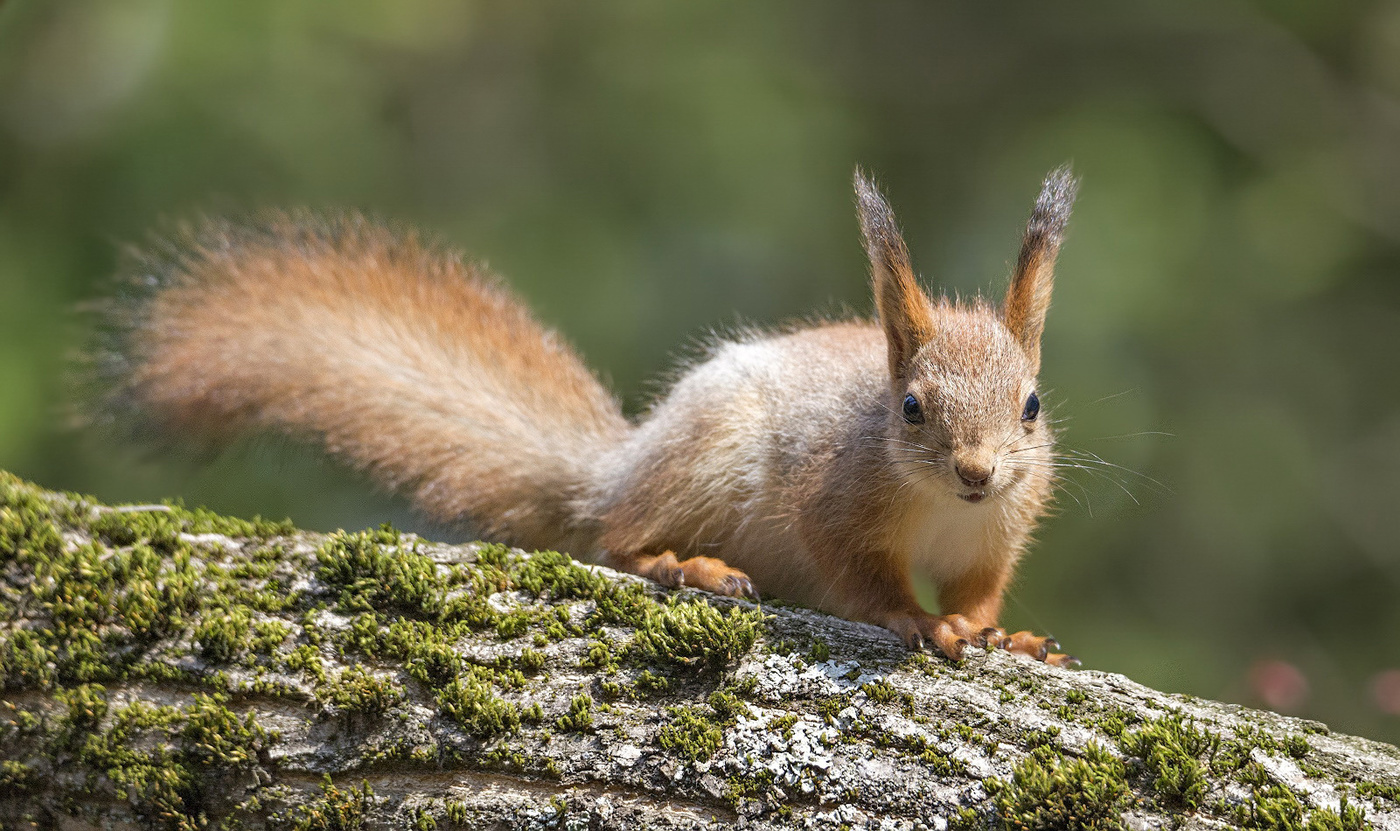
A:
x: 1227, y: 319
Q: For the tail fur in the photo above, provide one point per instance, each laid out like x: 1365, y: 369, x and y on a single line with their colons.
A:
x: 398, y: 357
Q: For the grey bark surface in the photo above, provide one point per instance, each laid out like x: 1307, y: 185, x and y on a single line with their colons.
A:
x: 836, y: 724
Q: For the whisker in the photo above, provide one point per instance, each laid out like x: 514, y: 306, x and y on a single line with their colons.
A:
x: 1060, y: 486
x: 894, y: 440
x: 1100, y: 474
x: 1032, y: 447
x: 1113, y: 396
x: 1094, y: 458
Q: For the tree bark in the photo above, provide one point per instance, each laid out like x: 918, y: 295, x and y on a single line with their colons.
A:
x: 166, y: 668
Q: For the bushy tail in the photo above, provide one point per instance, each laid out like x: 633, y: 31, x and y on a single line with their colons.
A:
x: 397, y: 356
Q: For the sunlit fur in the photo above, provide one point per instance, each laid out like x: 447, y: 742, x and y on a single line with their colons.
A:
x: 780, y: 458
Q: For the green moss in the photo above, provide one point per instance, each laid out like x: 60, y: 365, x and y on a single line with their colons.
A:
x: 739, y: 788
x: 692, y: 633
x: 158, y: 759
x: 1047, y: 738
x: 579, y: 719
x: 1171, y: 749
x: 830, y: 707
x: 375, y: 571
x: 27, y: 659
x: 103, y: 613
x: 16, y: 777
x: 101, y: 610
x: 428, y: 652
x: 306, y: 659
x: 335, y: 810
x: 938, y: 762
x: 267, y: 636
x: 514, y: 624
x: 357, y: 690
x: 423, y: 820
x: 1251, y: 735
x: 28, y: 522
x: 457, y: 811
x: 1277, y: 808
x: 1296, y: 746
x: 1048, y: 791
x: 696, y: 733
x: 726, y: 705
x: 221, y: 636
x: 783, y: 724
x: 175, y: 519
x: 691, y: 734
x: 549, y: 573
x: 531, y: 660
x: 600, y: 656
x: 965, y: 819
x: 1376, y: 790
x: 1176, y: 753
x: 880, y: 691
x: 1117, y: 721
x: 471, y: 701
x: 214, y: 736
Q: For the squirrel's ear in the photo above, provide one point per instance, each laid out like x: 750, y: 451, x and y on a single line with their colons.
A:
x: 904, y: 309
x: 1028, y: 298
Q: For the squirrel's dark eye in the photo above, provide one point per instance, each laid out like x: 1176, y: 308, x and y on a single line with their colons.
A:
x: 1032, y: 408
x: 913, y: 413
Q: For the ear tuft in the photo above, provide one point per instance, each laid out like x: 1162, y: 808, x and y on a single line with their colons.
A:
x: 904, y: 309
x: 1028, y: 298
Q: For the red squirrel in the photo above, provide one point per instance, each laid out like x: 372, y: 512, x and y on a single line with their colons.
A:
x: 824, y: 463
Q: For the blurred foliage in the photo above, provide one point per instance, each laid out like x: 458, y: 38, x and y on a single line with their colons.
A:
x: 1227, y: 320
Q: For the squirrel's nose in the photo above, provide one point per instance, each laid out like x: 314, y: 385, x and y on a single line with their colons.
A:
x: 972, y: 474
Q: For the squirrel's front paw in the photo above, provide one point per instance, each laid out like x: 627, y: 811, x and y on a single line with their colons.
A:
x: 1038, y: 647
x: 951, y: 634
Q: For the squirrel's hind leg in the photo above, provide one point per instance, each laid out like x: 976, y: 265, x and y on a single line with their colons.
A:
x: 706, y: 573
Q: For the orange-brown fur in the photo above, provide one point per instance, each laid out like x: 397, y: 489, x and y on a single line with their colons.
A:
x: 785, y: 462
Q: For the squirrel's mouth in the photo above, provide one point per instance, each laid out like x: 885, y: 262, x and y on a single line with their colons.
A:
x: 974, y: 496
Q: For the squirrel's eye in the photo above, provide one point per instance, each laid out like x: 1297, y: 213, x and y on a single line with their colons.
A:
x: 913, y: 413
x: 1032, y: 408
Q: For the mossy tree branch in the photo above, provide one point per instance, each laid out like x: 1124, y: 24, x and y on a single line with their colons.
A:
x: 168, y: 668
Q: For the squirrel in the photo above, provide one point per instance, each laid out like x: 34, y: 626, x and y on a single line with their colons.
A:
x: 824, y: 463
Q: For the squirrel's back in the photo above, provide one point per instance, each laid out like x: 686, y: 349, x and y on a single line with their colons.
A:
x: 396, y: 355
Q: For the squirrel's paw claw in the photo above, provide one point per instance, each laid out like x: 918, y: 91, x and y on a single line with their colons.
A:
x: 705, y: 573
x: 713, y: 575
x: 1040, y: 648
x: 950, y: 634
x: 746, y: 589
x: 667, y: 571
x: 990, y: 637
x: 738, y: 585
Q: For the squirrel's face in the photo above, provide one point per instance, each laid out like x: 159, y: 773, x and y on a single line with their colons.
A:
x: 965, y: 414
x: 966, y: 418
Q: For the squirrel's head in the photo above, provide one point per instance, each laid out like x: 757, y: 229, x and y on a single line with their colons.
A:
x: 964, y: 409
